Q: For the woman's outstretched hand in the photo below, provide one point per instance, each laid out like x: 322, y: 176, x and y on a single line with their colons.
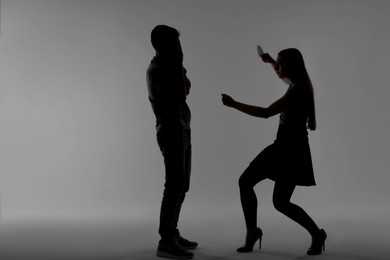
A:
x: 267, y: 58
x: 228, y: 100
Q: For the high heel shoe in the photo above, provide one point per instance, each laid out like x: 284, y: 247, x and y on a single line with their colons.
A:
x: 251, y: 240
x: 318, y: 245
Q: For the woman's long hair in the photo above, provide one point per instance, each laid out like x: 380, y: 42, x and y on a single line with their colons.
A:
x: 296, y: 64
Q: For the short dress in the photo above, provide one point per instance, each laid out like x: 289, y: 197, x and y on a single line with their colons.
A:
x: 288, y: 159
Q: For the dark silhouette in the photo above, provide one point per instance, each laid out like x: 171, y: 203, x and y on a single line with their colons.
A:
x: 168, y: 87
x: 288, y: 160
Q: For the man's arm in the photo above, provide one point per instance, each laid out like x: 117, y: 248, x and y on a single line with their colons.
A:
x: 273, y: 109
x: 171, y: 83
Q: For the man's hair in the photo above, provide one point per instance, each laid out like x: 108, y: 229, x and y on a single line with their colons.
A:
x: 163, y: 36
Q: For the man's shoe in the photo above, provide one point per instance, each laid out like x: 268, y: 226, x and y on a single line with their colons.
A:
x: 185, y: 243
x: 173, y: 251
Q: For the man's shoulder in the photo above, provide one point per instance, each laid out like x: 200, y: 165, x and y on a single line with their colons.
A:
x: 153, y: 69
x: 153, y: 65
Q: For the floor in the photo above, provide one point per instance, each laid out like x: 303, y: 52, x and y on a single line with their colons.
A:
x: 136, y: 239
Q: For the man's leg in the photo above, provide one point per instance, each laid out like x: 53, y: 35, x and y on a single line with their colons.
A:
x: 173, y: 152
x: 186, y: 244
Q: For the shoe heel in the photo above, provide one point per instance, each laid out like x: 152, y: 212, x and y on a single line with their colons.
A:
x: 260, y: 236
x: 323, y: 246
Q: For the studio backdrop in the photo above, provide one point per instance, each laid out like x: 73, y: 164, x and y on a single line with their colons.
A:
x: 77, y: 132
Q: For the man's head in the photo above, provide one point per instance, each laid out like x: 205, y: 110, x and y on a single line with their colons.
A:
x: 165, y: 41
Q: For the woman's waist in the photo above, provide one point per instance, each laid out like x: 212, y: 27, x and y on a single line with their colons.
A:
x: 288, y: 132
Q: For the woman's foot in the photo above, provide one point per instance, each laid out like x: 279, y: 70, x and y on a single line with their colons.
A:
x: 318, y: 243
x: 252, y: 235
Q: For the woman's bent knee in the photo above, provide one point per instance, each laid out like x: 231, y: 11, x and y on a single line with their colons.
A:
x: 243, y: 182
x: 281, y: 205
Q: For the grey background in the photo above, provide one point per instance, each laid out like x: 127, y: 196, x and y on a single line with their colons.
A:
x: 77, y: 133
x: 81, y: 176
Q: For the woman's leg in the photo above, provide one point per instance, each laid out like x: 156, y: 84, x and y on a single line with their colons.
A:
x: 250, y: 177
x: 281, y: 199
x: 247, y: 181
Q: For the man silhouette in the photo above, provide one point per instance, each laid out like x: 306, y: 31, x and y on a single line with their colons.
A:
x: 168, y: 87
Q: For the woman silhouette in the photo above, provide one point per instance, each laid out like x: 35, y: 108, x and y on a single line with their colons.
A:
x: 288, y: 160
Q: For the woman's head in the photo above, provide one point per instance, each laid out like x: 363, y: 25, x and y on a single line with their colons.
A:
x: 290, y: 64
